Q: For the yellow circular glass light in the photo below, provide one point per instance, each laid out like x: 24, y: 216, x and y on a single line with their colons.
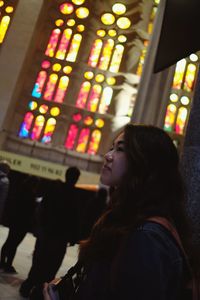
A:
x: 101, y: 32
x: 193, y: 57
x: 59, y: 22
x: 1, y: 3
x: 67, y: 69
x: 99, y: 78
x: 108, y: 19
x: 111, y: 80
x: 80, y: 28
x: 185, y: 100
x: 122, y: 38
x: 119, y: 8
x: 112, y: 32
x: 71, y: 22
x: 43, y: 109
x: 66, y: 8
x: 89, y: 75
x: 173, y: 97
x: 9, y: 9
x: 55, y: 111
x: 123, y: 23
x: 82, y: 12
x: 32, y: 105
x: 99, y: 123
x: 56, y: 67
x: 88, y: 120
x: 78, y: 2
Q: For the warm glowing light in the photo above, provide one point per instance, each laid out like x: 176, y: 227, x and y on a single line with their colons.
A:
x: 193, y: 57
x: 112, y: 32
x: 185, y: 100
x: 99, y: 123
x: 123, y: 23
x: 71, y: 22
x: 99, y: 78
x: 45, y: 64
x: 105, y: 100
x: 101, y: 32
x: 170, y: 117
x: 179, y: 73
x: 56, y: 67
x: 9, y: 9
x: 116, y: 58
x: 32, y: 105
x: 82, y: 12
x: 43, y: 109
x: 1, y: 3
x: 67, y: 69
x: 80, y: 28
x: 3, y: 27
x: 66, y: 8
x: 89, y: 75
x: 122, y: 38
x: 108, y: 19
x: 119, y: 8
x: 74, y: 47
x: 55, y: 111
x: 88, y: 120
x: 181, y: 120
x: 111, y: 80
x: 59, y: 22
x: 78, y: 2
x: 174, y: 97
x: 77, y: 117
x: 64, y: 43
x: 95, y: 53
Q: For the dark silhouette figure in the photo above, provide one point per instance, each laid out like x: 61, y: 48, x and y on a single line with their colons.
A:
x: 4, y: 185
x: 57, y: 228
x: 21, y: 220
x: 94, y: 209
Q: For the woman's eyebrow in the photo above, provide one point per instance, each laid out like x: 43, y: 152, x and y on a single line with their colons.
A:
x: 120, y: 142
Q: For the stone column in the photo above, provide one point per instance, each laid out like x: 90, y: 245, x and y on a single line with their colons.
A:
x: 190, y: 161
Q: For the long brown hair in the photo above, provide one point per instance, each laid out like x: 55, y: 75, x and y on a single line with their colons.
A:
x: 151, y: 186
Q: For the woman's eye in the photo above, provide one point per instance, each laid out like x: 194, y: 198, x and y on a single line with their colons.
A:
x: 120, y: 149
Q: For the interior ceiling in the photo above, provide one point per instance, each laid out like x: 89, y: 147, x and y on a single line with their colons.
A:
x: 179, y: 34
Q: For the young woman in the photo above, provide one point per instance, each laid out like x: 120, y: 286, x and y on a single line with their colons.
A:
x: 129, y: 256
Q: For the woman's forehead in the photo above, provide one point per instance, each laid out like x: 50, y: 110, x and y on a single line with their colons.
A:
x: 120, y: 138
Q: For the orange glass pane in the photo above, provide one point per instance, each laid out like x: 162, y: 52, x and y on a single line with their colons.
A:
x: 179, y: 73
x: 71, y: 137
x: 26, y: 125
x: 53, y: 41
x: 94, y: 98
x: 83, y: 140
x: 190, y: 77
x: 50, y: 88
x: 88, y: 120
x: 95, y: 53
x: 62, y: 88
x: 94, y: 142
x: 106, y: 55
x: 4, y: 27
x: 116, y: 59
x: 64, y: 42
x: 37, y: 128
x: 48, y: 131
x: 105, y: 100
x: 39, y: 84
x: 74, y: 47
x: 181, y: 120
x: 66, y: 8
x: 83, y: 94
x: 170, y: 117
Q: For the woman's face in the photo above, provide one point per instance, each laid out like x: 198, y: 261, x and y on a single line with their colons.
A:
x: 115, y: 164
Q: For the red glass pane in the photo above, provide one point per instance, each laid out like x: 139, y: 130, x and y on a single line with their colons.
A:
x: 71, y: 137
x: 83, y: 140
x: 53, y: 41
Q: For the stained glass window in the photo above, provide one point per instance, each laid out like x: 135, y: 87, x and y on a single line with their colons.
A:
x: 179, y: 73
x: 83, y: 140
x: 50, y: 87
x: 62, y: 88
x: 116, y: 59
x: 95, y: 53
x: 83, y: 94
x: 53, y: 41
x: 106, y: 55
x: 105, y: 100
x: 62, y: 49
x: 74, y: 47
x: 94, y: 142
x: 26, y: 125
x: 6, y: 13
x: 48, y: 131
x: 94, y: 97
x: 190, y: 77
x: 71, y: 137
x: 181, y: 120
x: 170, y: 117
x: 37, y: 128
x: 39, y: 84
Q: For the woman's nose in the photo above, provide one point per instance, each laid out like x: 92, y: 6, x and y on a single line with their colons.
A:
x: 108, y: 156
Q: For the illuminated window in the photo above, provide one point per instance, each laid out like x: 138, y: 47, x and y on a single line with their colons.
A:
x: 53, y: 41
x: 181, y: 120
x: 190, y: 77
x: 72, y: 134
x: 6, y: 13
x: 94, y: 142
x: 74, y: 47
x: 62, y: 88
x: 170, y: 117
x: 83, y: 140
x: 50, y: 87
x: 48, y: 131
x: 38, y: 87
x: 64, y: 44
x: 26, y: 125
x: 83, y: 94
x: 116, y: 59
x: 94, y: 97
x: 106, y: 55
x: 95, y: 53
x: 37, y: 128
x: 105, y: 100
x: 179, y: 73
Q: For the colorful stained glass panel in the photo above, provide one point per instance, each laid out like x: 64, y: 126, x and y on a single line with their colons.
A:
x: 71, y: 137
x: 48, y: 131
x: 94, y: 142
x: 26, y: 125
x: 83, y: 140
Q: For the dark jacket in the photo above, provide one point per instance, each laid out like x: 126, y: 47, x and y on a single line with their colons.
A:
x: 148, y: 266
